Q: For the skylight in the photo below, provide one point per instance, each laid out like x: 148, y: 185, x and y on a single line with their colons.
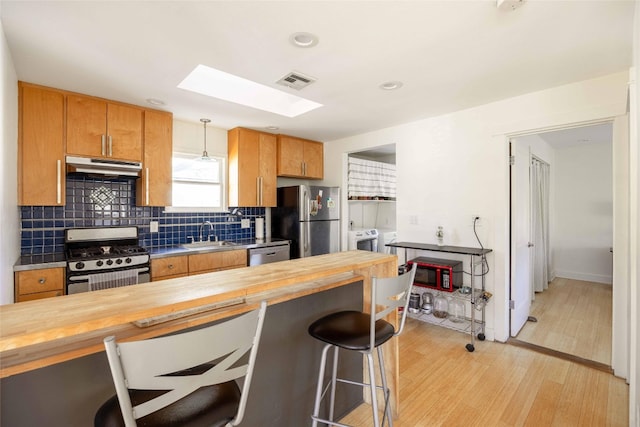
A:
x: 218, y: 84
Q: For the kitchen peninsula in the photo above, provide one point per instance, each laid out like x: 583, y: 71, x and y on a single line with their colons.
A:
x: 40, y: 338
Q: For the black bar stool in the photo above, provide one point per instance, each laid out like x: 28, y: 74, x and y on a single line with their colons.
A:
x: 186, y: 379
x: 362, y: 332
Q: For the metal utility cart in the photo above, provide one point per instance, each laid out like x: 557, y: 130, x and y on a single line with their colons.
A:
x: 478, y: 297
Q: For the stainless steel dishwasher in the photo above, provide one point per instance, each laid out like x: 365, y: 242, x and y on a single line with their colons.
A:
x: 268, y: 254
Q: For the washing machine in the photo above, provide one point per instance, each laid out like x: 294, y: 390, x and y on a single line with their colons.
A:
x: 385, y: 237
x: 363, y: 239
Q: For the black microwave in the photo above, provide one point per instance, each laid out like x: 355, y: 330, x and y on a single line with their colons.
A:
x: 440, y: 274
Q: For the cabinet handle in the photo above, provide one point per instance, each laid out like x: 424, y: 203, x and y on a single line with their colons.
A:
x: 59, y: 182
x: 302, y: 168
x: 104, y: 145
x: 146, y: 184
x: 42, y: 280
x: 258, y: 190
x: 170, y: 266
x: 110, y: 146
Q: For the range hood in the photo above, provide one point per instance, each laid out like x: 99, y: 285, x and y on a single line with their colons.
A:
x: 103, y: 166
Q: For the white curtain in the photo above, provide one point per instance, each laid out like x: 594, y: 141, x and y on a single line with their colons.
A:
x: 540, y: 225
x: 369, y: 179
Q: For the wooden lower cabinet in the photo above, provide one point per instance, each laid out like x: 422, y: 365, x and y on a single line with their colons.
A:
x: 217, y: 261
x: 37, y: 284
x: 169, y: 268
x: 184, y: 265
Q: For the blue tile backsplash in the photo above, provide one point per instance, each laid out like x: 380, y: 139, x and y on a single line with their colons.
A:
x: 97, y: 202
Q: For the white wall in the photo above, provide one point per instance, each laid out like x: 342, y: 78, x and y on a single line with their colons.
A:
x: 9, y: 214
x: 454, y: 166
x: 634, y: 215
x: 583, y: 214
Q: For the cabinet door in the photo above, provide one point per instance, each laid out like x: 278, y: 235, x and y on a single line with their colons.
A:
x: 36, y: 284
x: 154, y: 186
x: 124, y: 132
x: 268, y: 178
x: 248, y: 168
x: 41, y: 174
x: 215, y: 261
x: 252, y: 168
x: 314, y: 159
x: 169, y: 267
x: 290, y: 156
x: 86, y: 126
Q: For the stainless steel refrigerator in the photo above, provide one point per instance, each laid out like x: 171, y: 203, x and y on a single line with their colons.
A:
x: 308, y: 216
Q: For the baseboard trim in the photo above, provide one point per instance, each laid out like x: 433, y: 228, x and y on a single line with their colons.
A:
x: 561, y: 355
x: 596, y: 278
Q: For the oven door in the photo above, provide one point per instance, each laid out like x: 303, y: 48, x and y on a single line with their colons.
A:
x: 113, y: 279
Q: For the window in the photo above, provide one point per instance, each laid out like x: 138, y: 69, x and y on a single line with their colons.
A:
x: 198, y: 183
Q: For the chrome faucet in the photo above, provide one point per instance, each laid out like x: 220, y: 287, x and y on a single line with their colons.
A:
x: 202, y: 230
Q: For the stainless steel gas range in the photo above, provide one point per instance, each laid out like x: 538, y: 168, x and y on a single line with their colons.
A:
x: 102, y: 258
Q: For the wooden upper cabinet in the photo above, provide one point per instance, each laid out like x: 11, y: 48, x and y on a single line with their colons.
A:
x: 41, y: 164
x: 154, y: 186
x: 252, y: 168
x: 97, y: 128
x: 300, y: 158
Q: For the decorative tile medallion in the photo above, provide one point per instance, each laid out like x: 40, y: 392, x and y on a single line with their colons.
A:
x: 102, y: 196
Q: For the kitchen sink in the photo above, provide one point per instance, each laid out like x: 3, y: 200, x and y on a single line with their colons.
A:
x: 208, y: 244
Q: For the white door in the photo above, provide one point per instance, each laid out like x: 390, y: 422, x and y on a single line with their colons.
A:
x: 520, y: 228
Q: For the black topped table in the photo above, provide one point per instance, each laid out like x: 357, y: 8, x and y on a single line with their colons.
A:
x: 450, y: 249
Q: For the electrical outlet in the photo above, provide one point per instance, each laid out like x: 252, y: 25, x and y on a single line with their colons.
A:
x: 153, y: 226
x: 475, y: 220
x: 245, y: 223
x: 413, y: 219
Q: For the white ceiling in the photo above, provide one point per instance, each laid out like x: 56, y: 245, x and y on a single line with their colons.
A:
x: 450, y: 55
x: 601, y: 133
x: 594, y: 134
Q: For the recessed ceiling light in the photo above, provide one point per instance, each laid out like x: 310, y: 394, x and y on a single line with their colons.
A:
x: 154, y: 101
x: 272, y: 128
x: 218, y: 84
x: 391, y: 85
x: 303, y: 39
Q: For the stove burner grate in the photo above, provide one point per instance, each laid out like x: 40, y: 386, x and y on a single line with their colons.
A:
x: 104, y: 251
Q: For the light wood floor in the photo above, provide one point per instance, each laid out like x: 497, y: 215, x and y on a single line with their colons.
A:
x: 497, y: 385
x: 574, y: 317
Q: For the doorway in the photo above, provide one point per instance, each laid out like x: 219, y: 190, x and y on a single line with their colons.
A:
x: 570, y: 316
x: 371, y: 192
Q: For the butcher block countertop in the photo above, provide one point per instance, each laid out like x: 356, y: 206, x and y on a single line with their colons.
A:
x: 40, y: 333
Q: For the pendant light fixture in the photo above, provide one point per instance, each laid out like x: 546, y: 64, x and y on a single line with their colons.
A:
x: 205, y: 155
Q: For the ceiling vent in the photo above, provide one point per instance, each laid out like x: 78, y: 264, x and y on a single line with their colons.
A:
x: 296, y: 80
x: 509, y: 4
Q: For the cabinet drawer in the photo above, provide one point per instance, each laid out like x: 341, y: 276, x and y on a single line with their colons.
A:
x: 213, y: 261
x: 35, y: 281
x: 39, y: 295
x: 165, y: 268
